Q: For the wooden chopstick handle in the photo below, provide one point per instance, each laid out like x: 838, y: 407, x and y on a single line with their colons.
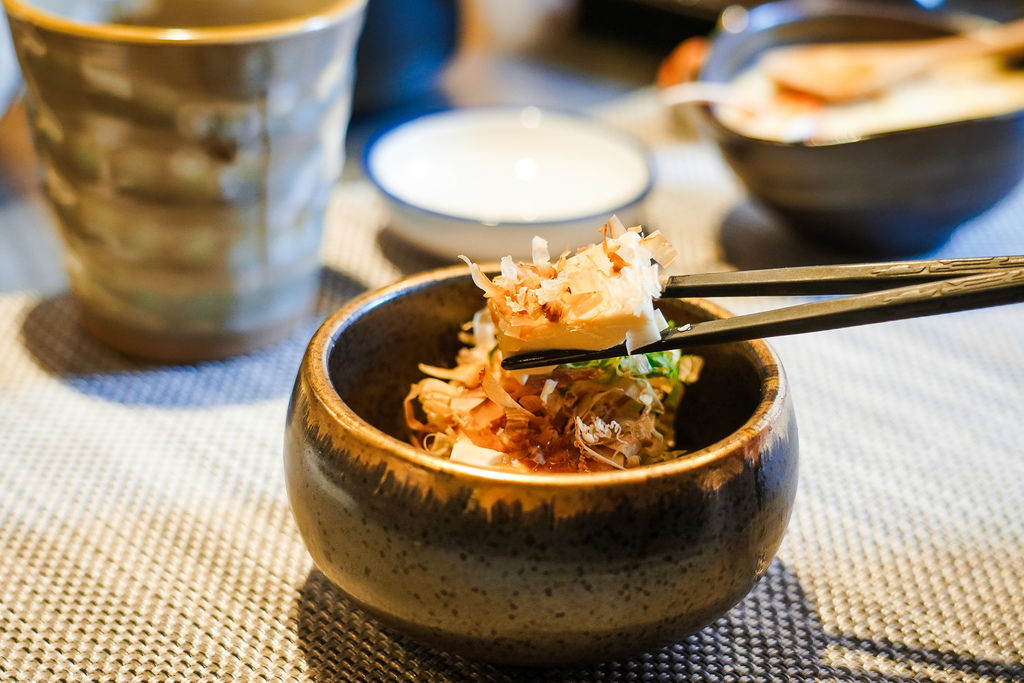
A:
x: 834, y: 279
x: 992, y: 288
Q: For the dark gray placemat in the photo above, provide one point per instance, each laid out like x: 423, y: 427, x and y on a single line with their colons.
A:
x: 145, y: 533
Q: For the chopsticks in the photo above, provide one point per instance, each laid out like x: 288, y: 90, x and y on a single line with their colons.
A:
x: 838, y: 279
x: 937, y: 286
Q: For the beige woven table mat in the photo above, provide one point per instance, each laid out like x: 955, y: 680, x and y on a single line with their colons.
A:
x: 145, y: 533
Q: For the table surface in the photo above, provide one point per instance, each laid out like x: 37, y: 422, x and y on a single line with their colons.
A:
x: 145, y: 533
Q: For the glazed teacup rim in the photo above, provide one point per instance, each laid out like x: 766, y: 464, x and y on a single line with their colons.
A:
x: 331, y: 13
x: 314, y: 368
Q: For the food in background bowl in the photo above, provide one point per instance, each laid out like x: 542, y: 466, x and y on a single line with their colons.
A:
x: 577, y: 417
x: 760, y: 102
x: 953, y: 91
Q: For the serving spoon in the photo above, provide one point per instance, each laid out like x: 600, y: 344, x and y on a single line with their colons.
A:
x: 848, y: 71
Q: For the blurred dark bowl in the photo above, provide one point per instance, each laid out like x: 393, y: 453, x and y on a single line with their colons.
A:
x: 887, y: 195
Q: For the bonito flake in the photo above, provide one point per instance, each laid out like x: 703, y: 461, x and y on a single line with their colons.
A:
x: 596, y: 297
x: 592, y: 416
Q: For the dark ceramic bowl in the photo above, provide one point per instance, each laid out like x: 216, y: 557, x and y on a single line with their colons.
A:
x: 518, y: 567
x: 892, y: 194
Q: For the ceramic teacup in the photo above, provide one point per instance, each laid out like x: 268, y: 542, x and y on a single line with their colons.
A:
x: 188, y: 149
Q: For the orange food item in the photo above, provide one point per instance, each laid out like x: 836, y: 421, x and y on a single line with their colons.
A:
x: 683, y: 63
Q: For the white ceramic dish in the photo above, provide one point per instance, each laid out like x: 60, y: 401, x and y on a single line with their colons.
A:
x: 483, y: 181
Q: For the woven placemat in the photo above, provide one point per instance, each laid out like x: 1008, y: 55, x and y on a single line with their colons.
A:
x: 145, y: 533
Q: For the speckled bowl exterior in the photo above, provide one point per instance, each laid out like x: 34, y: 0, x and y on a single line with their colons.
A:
x: 188, y: 169
x: 528, y: 568
x: 887, y: 195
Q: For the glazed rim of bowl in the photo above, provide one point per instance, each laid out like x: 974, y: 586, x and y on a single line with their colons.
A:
x: 330, y: 13
x: 800, y: 11
x: 597, y: 216
x: 315, y: 366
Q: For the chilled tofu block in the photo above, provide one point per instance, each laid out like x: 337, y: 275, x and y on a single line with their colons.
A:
x: 596, y: 297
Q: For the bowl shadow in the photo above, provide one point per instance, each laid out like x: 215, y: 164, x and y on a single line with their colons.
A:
x: 751, y: 237
x: 774, y: 633
x: 59, y: 345
x: 407, y: 257
x: 340, y: 642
